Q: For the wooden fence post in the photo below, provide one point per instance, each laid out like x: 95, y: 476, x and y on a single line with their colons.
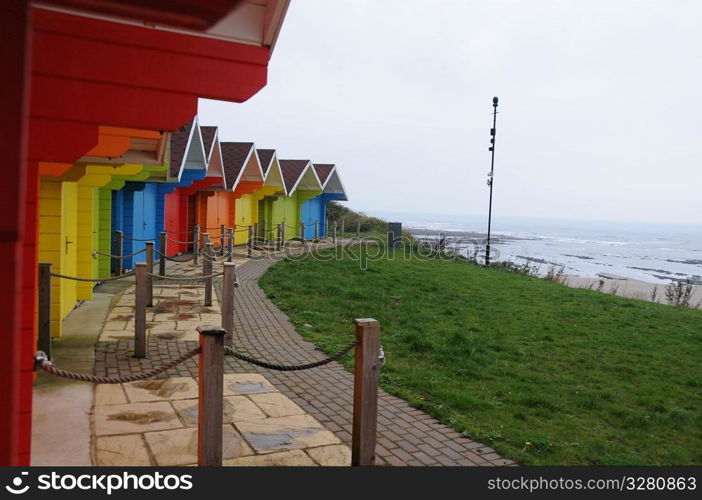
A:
x: 249, y: 243
x: 222, y: 228
x: 44, y: 340
x: 196, y: 244
x: 228, y: 284
x: 206, y: 271
x: 230, y: 245
x: 162, y: 256
x: 256, y: 235
x: 282, y: 234
x: 210, y: 396
x: 119, y: 251
x: 316, y: 230
x: 365, y: 392
x: 302, y: 230
x: 140, y: 311
x: 149, y: 279
x: 279, y: 237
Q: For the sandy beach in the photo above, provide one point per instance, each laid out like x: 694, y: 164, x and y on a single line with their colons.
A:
x: 631, y: 288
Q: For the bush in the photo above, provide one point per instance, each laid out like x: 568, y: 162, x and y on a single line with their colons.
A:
x: 337, y: 212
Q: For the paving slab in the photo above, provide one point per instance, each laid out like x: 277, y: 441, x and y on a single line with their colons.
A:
x: 234, y: 408
x: 163, y: 389
x: 134, y: 418
x: 246, y: 383
x: 120, y: 450
x: 275, y: 404
x: 336, y: 455
x: 179, y: 446
x: 285, y: 433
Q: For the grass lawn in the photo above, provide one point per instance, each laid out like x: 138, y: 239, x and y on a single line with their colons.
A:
x: 545, y: 374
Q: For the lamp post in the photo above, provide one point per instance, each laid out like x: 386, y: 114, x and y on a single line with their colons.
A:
x: 493, y: 132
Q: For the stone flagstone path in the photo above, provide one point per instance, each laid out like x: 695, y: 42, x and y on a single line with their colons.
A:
x: 406, y: 436
x: 154, y: 422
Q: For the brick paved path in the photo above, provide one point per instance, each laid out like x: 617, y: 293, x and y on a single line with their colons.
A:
x: 407, y: 436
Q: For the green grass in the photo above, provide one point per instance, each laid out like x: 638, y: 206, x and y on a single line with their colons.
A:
x: 543, y: 373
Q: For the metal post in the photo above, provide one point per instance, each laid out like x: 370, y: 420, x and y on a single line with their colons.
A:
x: 279, y: 237
x: 119, y: 251
x: 210, y: 396
x: 249, y: 242
x: 316, y: 230
x: 162, y: 256
x: 302, y: 230
x: 342, y: 228
x: 358, y: 230
x: 230, y: 245
x: 44, y: 340
x: 140, y: 311
x: 149, y: 279
x: 491, y: 178
x: 228, y: 284
x: 196, y: 244
x: 365, y: 392
x: 326, y: 229
x: 282, y: 233
x: 255, y: 226
x: 334, y: 237
x: 206, y: 271
x: 222, y: 228
x: 263, y: 230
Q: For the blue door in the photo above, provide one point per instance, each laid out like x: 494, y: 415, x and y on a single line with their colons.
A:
x: 310, y: 215
x: 144, y: 218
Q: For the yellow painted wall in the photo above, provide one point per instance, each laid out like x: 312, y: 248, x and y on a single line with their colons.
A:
x: 85, y: 227
x: 246, y: 214
x: 58, y: 236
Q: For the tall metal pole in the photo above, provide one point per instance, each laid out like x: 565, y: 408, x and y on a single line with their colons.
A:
x: 493, y: 133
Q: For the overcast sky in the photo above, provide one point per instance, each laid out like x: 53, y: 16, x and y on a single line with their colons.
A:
x: 600, y: 107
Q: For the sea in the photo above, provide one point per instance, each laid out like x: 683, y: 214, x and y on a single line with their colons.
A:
x: 651, y: 252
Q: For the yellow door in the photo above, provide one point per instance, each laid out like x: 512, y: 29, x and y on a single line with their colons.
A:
x: 69, y: 243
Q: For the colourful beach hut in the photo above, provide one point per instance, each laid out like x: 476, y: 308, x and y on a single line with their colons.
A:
x: 187, y: 205
x: 244, y: 175
x: 273, y: 188
x: 301, y: 184
x: 69, y: 212
x: 139, y: 209
x: 315, y: 209
x: 70, y: 68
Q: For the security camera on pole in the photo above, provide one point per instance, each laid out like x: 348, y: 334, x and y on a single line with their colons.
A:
x: 493, y: 133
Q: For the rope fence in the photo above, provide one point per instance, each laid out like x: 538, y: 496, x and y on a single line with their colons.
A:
x: 41, y: 361
x: 290, y: 368
x: 94, y: 280
x: 138, y: 239
x: 179, y: 232
x: 173, y: 259
x: 98, y: 252
x: 185, y: 278
x: 180, y: 242
x: 211, y: 351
